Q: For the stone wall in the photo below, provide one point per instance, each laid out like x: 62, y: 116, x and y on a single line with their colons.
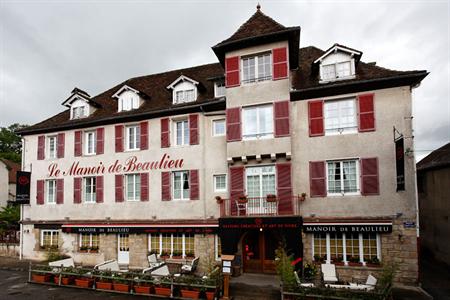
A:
x: 205, y: 249
x: 138, y: 250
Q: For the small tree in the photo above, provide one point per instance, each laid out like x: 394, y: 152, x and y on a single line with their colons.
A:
x: 285, y: 269
x: 9, y: 218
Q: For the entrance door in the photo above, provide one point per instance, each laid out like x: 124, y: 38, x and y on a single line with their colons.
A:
x: 123, y: 249
x: 258, y: 251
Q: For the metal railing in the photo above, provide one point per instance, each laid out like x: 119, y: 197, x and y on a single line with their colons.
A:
x: 260, y: 206
x: 10, y: 237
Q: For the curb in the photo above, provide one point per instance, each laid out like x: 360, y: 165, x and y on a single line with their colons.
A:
x: 425, y: 293
x: 13, y: 269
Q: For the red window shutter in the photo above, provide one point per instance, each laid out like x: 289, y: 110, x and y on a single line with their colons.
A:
x: 317, y: 179
x: 281, y: 117
x: 78, y: 143
x: 315, y: 113
x: 119, y: 138
x: 366, y: 112
x: 194, y: 185
x: 236, y: 186
x: 40, y: 184
x: 61, y: 143
x: 369, y: 176
x: 119, y: 188
x: 100, y: 136
x: 77, y: 190
x: 144, y: 135
x: 41, y: 147
x: 284, y: 188
x: 232, y: 71
x: 193, y: 129
x: 165, y: 133
x: 280, y: 64
x: 144, y: 186
x: 59, y: 191
x: 99, y: 189
x: 234, y: 124
x: 165, y: 186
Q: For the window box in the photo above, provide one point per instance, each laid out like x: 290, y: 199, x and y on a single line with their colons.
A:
x: 163, y: 291
x: 41, y: 278
x: 373, y: 263
x: 271, y: 198
x: 190, y: 294
x: 190, y: 255
x: 84, y: 282
x: 142, y: 289
x: 103, y: 285
x: 210, y: 295
x: 177, y: 255
x: 121, y: 287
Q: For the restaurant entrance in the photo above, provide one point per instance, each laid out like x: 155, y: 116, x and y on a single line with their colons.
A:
x: 258, y: 251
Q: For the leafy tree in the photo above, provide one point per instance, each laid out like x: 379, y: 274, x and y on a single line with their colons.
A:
x: 9, y: 217
x: 11, y: 142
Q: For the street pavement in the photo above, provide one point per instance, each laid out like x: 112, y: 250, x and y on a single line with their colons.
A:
x: 435, y: 278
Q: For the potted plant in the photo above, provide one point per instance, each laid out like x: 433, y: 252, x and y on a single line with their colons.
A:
x: 339, y: 261
x: 319, y: 259
x: 373, y: 262
x: 121, y: 283
x: 42, y: 277
x: 303, y: 197
x: 271, y: 198
x: 165, y: 254
x: 94, y: 249
x: 242, y: 199
x: 177, y: 254
x: 219, y: 200
x: 162, y: 288
x: 84, y: 249
x: 104, y: 281
x: 143, y: 285
x: 82, y: 280
x: 354, y: 261
x: 187, y: 291
x: 190, y: 254
x: 66, y: 279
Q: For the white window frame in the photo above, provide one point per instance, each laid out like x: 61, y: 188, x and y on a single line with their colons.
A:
x: 92, y: 198
x: 336, y: 77
x: 52, y: 232
x: 261, y: 173
x: 216, y: 247
x: 48, y: 199
x: 90, y: 239
x: 348, y: 130
x: 219, y: 86
x: 52, y: 139
x: 129, y: 100
x: 215, y: 176
x: 159, y: 236
x: 344, y: 249
x: 214, y: 132
x: 79, y: 111
x: 136, y: 190
x: 182, y: 198
x: 137, y: 137
x: 185, y: 123
x: 91, y: 134
x: 256, y: 78
x: 258, y: 135
x: 358, y: 183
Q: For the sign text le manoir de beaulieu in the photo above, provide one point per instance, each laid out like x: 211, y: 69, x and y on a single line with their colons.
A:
x: 346, y: 228
x: 131, y: 164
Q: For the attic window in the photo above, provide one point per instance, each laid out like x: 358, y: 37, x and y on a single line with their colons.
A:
x: 336, y: 70
x: 338, y: 63
x: 219, y: 89
x: 128, y: 101
x: 78, y: 112
x: 184, y: 90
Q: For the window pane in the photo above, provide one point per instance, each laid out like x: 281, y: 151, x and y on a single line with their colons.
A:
x: 336, y: 247
x: 177, y: 185
x: 369, y: 246
x: 179, y: 132
x: 250, y: 125
x: 219, y: 127
x: 186, y: 133
x: 320, y: 246
x: 350, y: 184
x: 189, y: 244
x: 352, y: 246
x: 154, y: 243
x: 177, y: 244
x: 186, y: 185
x: 343, y: 69
x: 334, y: 177
x: 340, y: 116
x: 166, y: 243
x: 328, y: 72
x: 265, y: 120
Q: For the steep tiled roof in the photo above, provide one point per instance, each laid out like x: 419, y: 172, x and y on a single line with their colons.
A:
x: 12, y: 169
x: 159, y: 98
x: 258, y: 24
x: 437, y: 159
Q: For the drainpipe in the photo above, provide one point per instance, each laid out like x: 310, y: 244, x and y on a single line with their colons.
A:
x: 21, y: 206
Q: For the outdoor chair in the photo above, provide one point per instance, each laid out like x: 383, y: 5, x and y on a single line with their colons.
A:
x: 329, y: 273
x: 370, y: 284
x: 301, y: 284
x: 162, y: 270
x: 190, y: 267
x: 241, y: 208
x: 153, y: 261
x: 68, y: 262
x: 109, y: 265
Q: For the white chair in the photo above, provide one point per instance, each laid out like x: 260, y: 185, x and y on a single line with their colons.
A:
x: 190, y: 267
x: 329, y: 273
x: 68, y: 262
x: 153, y: 262
x: 109, y: 265
x: 299, y: 283
x: 370, y: 284
x: 162, y: 270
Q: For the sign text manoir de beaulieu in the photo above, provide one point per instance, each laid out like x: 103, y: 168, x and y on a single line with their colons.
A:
x: 131, y: 164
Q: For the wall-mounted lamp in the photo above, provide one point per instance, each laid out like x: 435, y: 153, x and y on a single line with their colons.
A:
x: 398, y: 214
x: 312, y: 215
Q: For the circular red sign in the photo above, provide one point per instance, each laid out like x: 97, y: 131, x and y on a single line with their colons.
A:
x: 23, y: 180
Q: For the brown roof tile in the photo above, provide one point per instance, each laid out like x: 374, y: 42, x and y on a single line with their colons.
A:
x: 437, y: 159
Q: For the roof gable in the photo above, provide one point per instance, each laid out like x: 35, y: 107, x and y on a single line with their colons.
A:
x: 336, y: 47
x: 182, y: 78
x: 124, y: 88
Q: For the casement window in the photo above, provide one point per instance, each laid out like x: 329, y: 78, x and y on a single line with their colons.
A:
x: 257, y: 68
x: 220, y: 183
x: 89, y: 241
x: 181, y: 128
x: 343, y: 177
x: 219, y: 127
x: 340, y: 116
x: 128, y: 101
x: 260, y: 183
x: 90, y: 142
x: 258, y: 122
x: 181, y: 190
x: 90, y: 189
x: 336, y: 70
x: 49, y: 238
x: 133, y: 187
x: 346, y: 247
x: 50, y: 191
x: 52, y: 146
x: 178, y: 244
x: 219, y: 89
x: 133, y: 137
x: 184, y: 96
x: 78, y: 112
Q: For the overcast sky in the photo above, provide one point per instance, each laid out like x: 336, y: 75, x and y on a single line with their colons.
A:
x: 48, y: 47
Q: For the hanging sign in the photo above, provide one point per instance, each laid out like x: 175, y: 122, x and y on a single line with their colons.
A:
x: 400, y: 163
x: 23, y: 187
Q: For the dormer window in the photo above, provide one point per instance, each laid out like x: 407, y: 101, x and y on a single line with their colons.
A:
x: 338, y: 63
x: 78, y: 112
x: 184, y: 90
x: 128, y: 99
x: 80, y: 104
